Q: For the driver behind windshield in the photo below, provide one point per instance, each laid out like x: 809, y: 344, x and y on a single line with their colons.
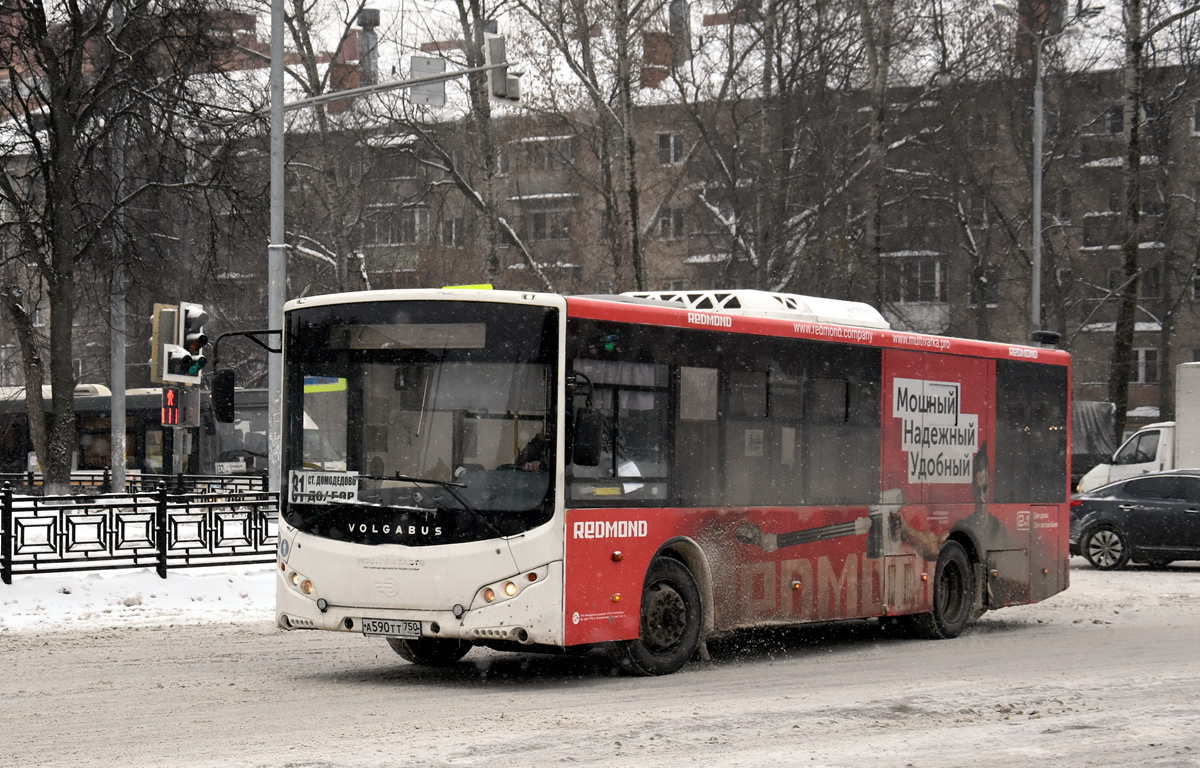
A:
x: 533, y: 456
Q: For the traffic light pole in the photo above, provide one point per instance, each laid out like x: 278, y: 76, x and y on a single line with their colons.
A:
x: 277, y: 250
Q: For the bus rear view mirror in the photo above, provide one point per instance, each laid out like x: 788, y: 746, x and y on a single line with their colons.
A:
x: 587, y: 438
x: 222, y: 395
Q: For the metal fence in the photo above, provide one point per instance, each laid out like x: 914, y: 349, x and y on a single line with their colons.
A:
x: 162, y: 528
x: 99, y: 481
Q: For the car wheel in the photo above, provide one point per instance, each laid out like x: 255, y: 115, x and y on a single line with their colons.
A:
x: 1106, y: 548
x: 430, y: 651
x: 953, y: 596
x: 670, y: 622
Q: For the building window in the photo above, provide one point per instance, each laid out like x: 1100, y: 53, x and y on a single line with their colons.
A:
x: 670, y: 223
x: 983, y: 130
x: 670, y: 148
x: 412, y: 226
x: 1099, y: 230
x: 914, y: 279
x: 1152, y: 201
x: 1145, y: 366
x: 549, y: 153
x: 549, y: 225
x: 1116, y: 199
x: 398, y: 164
x: 673, y: 285
x: 397, y: 226
x: 1061, y: 205
x: 1116, y: 119
x: 978, y: 214
x: 452, y: 232
x: 1196, y: 118
x: 1149, y: 285
x: 502, y: 161
x: 987, y: 288
x: 1195, y: 283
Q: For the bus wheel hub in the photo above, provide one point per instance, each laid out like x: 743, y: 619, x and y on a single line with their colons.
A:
x: 664, y: 616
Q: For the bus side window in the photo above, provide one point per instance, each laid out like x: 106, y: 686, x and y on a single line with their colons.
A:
x: 1031, y: 433
x: 632, y: 399
x: 749, y: 439
x: 697, y: 455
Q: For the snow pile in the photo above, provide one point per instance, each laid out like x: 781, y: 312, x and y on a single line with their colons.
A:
x: 138, y: 597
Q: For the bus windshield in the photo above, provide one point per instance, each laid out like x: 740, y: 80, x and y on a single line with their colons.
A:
x: 420, y: 423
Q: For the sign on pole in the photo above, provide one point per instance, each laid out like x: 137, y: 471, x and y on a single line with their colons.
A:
x: 429, y: 94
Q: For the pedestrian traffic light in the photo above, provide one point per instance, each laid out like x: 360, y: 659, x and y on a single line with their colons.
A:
x: 185, y: 359
x: 170, y: 406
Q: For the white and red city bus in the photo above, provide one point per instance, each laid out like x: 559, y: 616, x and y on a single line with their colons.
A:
x: 515, y: 470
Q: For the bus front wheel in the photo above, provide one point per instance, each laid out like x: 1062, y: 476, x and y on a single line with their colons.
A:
x: 670, y: 621
x: 953, y: 596
x: 430, y: 651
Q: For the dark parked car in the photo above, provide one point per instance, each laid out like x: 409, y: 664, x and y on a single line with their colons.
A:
x: 1152, y: 518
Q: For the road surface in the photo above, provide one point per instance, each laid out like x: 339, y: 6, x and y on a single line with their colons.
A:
x: 1105, y: 674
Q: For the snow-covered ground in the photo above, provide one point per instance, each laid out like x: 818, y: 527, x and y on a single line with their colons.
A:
x: 123, y: 668
x: 138, y: 597
x: 98, y: 599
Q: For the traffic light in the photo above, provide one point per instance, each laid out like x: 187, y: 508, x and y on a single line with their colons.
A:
x: 185, y: 359
x: 170, y: 406
x: 501, y: 84
x: 165, y: 329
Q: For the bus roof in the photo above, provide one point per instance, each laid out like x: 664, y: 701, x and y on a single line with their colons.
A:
x: 643, y: 310
x: 757, y: 312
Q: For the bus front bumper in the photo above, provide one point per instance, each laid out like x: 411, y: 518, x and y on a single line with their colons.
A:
x: 532, y: 616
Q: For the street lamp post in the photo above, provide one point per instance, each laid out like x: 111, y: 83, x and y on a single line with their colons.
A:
x: 1035, y: 298
x: 277, y: 249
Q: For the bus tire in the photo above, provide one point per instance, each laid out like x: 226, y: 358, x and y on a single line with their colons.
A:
x: 430, y: 651
x: 953, y: 596
x: 670, y: 621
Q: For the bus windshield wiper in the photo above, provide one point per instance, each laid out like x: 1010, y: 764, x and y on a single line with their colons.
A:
x: 449, y: 486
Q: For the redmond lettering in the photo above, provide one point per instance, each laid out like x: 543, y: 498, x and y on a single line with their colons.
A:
x: 610, y: 529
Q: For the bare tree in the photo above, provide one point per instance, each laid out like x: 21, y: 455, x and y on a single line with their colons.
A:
x: 1137, y: 36
x: 70, y: 76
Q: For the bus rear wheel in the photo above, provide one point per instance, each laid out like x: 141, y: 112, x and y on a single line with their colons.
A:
x: 430, y: 651
x: 670, y: 621
x: 953, y: 596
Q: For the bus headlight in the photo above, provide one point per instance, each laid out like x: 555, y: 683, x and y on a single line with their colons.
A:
x: 503, y: 590
x: 299, y: 582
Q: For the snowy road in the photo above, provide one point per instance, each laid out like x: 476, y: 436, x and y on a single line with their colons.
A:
x: 1105, y: 674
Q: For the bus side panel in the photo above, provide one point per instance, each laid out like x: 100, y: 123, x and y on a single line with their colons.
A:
x: 767, y: 566
x: 607, y: 553
x: 938, y: 413
x: 939, y: 451
x: 1051, y: 558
